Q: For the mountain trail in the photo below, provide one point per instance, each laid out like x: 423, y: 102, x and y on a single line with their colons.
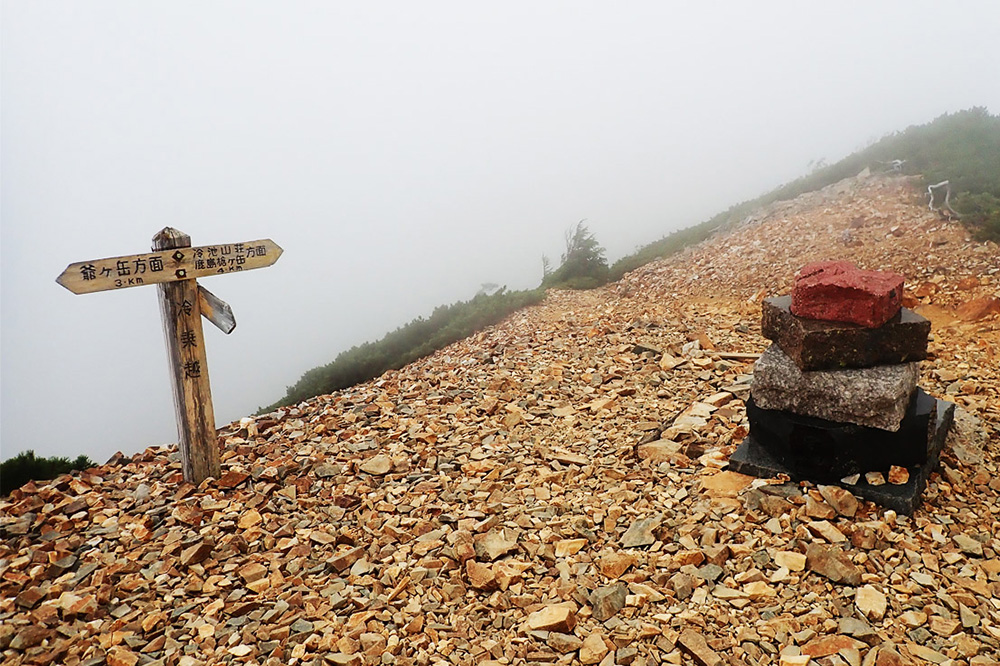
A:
x: 550, y: 490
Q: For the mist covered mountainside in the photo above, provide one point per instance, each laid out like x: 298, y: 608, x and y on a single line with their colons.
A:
x: 551, y: 489
x: 962, y: 148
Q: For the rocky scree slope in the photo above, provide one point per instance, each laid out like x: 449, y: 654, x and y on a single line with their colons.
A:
x: 551, y: 490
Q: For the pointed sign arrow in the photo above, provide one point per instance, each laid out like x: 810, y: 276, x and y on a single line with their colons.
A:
x: 173, y: 265
x: 216, y: 310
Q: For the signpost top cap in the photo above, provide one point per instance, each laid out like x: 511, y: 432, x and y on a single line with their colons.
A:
x: 170, y: 237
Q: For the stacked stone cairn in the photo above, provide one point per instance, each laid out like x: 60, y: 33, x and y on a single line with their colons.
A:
x: 835, y: 398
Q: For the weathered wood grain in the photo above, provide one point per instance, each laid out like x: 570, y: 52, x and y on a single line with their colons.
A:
x: 216, y: 310
x: 159, y: 267
x: 181, y: 313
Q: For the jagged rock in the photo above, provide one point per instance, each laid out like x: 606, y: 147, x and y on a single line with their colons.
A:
x: 640, y: 532
x: 377, y: 465
x: 658, y: 451
x: 119, y: 656
x: 695, y: 645
x: 870, y: 602
x: 493, y: 545
x: 683, y: 585
x: 888, y: 656
x: 818, y: 509
x: 726, y: 484
x: 822, y: 646
x: 790, y: 560
x: 563, y: 643
x: 842, y: 501
x: 480, y: 575
x: 196, y: 553
x: 607, y: 601
x: 897, y: 475
x: 969, y: 545
x: 833, y: 563
x: 559, y: 617
x: 615, y: 563
x: 593, y: 649
x: 858, y: 628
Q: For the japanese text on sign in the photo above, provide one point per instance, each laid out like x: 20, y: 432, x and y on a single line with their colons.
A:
x: 158, y: 267
x: 226, y: 258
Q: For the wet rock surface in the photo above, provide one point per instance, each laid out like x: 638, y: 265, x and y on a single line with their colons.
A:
x: 875, y: 397
x: 522, y: 440
x: 814, y: 344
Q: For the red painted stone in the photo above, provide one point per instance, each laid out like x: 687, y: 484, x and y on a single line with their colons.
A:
x: 840, y: 291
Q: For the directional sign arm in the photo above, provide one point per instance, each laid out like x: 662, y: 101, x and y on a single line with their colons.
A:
x: 216, y: 310
x: 168, y: 265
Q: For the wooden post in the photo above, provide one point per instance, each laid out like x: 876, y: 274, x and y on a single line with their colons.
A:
x: 181, y: 312
x: 174, y: 267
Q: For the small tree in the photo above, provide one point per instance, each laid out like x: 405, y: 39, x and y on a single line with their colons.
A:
x: 583, y: 264
x: 487, y: 289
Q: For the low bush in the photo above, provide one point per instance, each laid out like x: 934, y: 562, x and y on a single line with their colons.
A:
x: 419, y: 338
x: 25, y: 466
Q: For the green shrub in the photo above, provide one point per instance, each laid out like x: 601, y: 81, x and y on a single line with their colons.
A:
x: 25, y: 467
x: 583, y: 264
x: 981, y: 212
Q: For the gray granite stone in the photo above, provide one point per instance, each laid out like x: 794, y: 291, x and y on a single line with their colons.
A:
x: 875, y: 397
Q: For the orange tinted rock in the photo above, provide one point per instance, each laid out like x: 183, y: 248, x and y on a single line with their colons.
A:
x: 977, y: 309
x: 560, y: 617
x: 725, y: 484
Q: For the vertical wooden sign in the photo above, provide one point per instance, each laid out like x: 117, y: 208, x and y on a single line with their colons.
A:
x: 173, y: 266
x: 180, y: 310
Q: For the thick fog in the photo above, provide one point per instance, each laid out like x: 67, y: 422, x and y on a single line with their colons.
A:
x: 402, y: 154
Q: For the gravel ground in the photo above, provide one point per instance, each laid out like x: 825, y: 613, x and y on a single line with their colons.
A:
x: 551, y: 490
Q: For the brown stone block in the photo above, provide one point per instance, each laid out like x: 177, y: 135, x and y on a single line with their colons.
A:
x: 815, y: 344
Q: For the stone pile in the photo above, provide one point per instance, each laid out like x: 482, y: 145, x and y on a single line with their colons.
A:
x: 835, y: 397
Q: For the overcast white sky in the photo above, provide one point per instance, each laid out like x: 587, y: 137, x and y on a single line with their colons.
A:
x: 402, y: 154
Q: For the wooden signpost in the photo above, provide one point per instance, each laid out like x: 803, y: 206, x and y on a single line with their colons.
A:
x: 173, y: 265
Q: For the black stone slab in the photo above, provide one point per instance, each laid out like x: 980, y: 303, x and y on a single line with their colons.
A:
x: 828, y: 450
x: 832, y: 345
x: 753, y: 459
